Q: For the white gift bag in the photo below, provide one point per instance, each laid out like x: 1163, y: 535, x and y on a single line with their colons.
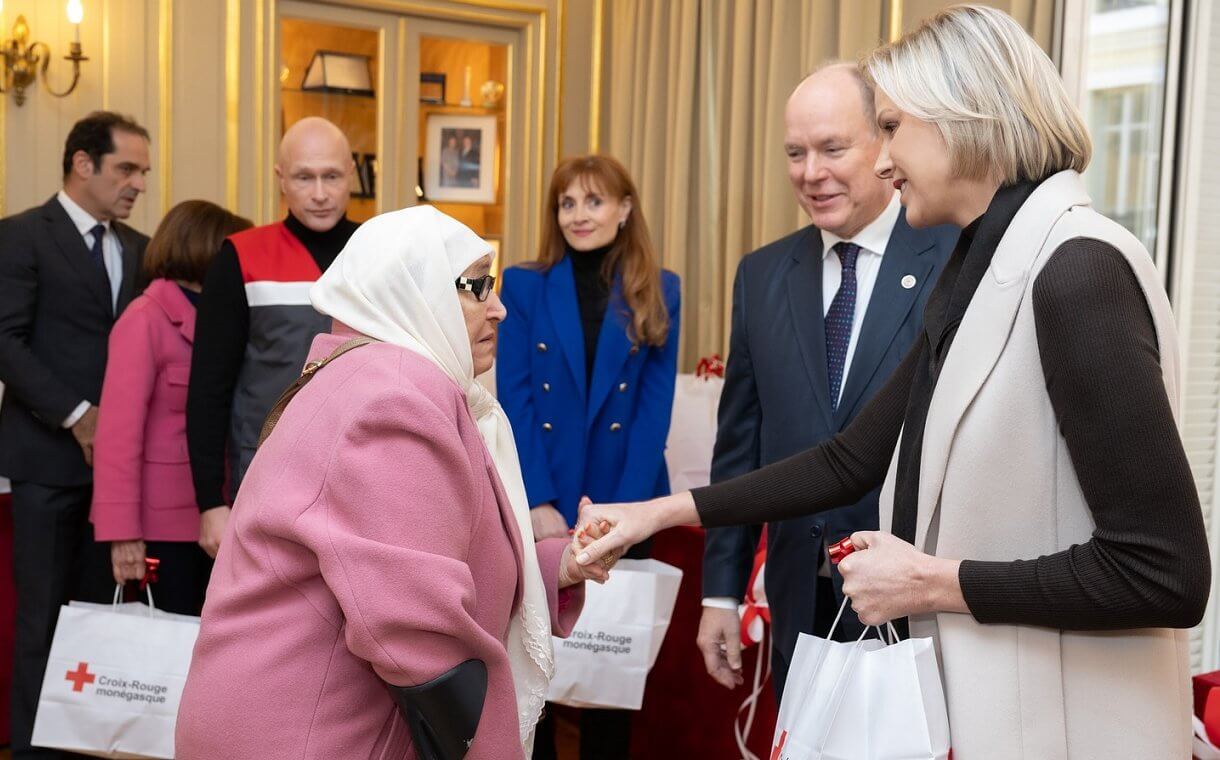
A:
x: 114, y: 680
x: 606, y: 659
x: 692, y: 431
x: 864, y: 700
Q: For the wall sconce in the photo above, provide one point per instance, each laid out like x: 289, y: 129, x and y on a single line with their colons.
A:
x: 24, y: 61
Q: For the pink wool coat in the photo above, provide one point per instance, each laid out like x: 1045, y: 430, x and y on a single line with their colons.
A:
x: 142, y: 484
x: 371, y: 541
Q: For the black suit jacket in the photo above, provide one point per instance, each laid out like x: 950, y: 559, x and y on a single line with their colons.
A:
x: 776, y: 403
x: 55, y: 320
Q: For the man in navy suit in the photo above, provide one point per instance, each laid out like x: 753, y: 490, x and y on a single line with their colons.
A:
x: 820, y: 320
x: 68, y: 268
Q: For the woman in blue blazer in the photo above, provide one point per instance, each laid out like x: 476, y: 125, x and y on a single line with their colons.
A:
x: 588, y: 358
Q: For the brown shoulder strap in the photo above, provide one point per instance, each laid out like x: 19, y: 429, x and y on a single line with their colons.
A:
x: 307, y: 374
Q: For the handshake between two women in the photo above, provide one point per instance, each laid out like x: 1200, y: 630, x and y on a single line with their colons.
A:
x: 891, y: 580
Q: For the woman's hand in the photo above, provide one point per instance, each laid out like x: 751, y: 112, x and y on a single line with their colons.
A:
x: 571, y: 572
x: 548, y: 522
x: 127, y: 560
x: 887, y: 578
x: 632, y: 523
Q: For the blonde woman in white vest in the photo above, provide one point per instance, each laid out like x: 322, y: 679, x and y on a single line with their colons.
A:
x: 1044, y: 524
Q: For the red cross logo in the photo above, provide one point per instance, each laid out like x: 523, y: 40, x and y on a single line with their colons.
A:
x: 80, y: 677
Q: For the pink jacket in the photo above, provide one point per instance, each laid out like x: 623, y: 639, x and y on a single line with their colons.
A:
x: 142, y: 485
x: 371, y: 541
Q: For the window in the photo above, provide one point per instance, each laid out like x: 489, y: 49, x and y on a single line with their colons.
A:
x: 1124, y: 104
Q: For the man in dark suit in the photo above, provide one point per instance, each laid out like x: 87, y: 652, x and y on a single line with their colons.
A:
x: 67, y: 269
x: 820, y: 319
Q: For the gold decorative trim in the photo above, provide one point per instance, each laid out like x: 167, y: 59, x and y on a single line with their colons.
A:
x: 232, y: 100
x: 4, y: 143
x: 165, y: 58
x: 895, y: 19
x: 560, y: 56
x: 443, y: 13
x: 262, y: 70
x: 406, y: 194
x: 595, y: 96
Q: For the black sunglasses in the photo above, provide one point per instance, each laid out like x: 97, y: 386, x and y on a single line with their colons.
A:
x: 480, y: 286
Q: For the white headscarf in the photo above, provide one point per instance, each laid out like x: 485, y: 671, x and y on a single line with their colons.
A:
x: 394, y: 281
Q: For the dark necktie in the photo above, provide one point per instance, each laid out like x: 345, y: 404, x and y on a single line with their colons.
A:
x: 96, y: 252
x: 839, y: 318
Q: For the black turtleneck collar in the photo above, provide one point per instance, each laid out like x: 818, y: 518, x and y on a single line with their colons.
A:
x: 588, y: 261
x: 323, y: 246
x: 592, y: 295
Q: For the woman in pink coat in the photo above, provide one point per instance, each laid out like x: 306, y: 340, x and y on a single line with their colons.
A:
x: 143, y: 497
x: 382, y: 538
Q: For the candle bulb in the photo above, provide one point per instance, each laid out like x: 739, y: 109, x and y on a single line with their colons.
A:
x: 466, y: 89
x: 76, y: 14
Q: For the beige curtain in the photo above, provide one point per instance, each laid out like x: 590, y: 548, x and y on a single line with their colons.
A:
x: 695, y: 93
x: 693, y: 105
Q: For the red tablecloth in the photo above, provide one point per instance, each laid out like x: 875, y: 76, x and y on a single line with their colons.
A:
x: 685, y: 713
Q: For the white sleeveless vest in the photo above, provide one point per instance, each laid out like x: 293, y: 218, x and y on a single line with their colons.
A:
x: 996, y: 483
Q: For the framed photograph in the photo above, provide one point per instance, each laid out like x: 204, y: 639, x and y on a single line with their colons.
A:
x: 459, y: 158
x: 431, y: 87
x: 363, y: 182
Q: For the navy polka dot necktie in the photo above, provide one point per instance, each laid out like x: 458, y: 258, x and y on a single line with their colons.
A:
x: 839, y: 319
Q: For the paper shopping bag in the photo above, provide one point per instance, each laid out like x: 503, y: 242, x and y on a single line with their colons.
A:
x: 692, y: 431
x: 862, y: 700
x: 113, y: 681
x: 606, y: 659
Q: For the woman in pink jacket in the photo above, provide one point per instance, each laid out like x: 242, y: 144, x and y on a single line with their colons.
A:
x: 380, y: 549
x: 143, y: 497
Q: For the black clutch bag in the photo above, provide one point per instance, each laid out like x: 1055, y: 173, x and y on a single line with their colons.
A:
x: 443, y: 714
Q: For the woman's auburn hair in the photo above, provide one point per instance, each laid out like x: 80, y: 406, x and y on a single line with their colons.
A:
x: 996, y: 98
x: 188, y: 238
x: 632, y: 256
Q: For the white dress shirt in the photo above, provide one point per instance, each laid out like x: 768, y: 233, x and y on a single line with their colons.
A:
x: 873, y: 240
x: 112, y: 257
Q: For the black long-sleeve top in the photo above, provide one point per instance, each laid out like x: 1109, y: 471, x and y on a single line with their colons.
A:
x: 222, y: 329
x: 1147, y: 564
x: 592, y: 295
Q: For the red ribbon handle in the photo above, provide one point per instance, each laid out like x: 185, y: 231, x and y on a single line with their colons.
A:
x: 709, y: 366
x: 150, y: 572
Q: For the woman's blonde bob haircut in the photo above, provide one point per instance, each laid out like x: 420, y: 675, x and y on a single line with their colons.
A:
x: 995, y: 96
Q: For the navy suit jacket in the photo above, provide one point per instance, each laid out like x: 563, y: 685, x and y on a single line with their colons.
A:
x: 603, y: 438
x: 776, y: 403
x: 55, y: 320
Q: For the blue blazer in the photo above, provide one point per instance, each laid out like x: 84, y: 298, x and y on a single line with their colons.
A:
x: 776, y: 403
x: 604, y: 439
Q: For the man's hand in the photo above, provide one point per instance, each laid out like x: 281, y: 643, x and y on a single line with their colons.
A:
x: 127, y: 560
x: 84, y: 430
x: 719, y: 640
x: 548, y: 523
x: 212, y: 528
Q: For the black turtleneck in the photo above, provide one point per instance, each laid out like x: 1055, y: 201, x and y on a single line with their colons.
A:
x: 222, y: 328
x: 592, y: 294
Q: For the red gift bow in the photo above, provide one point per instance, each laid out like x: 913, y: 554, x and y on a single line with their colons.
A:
x: 150, y: 572
x: 840, y: 549
x: 753, y: 610
x: 710, y: 365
